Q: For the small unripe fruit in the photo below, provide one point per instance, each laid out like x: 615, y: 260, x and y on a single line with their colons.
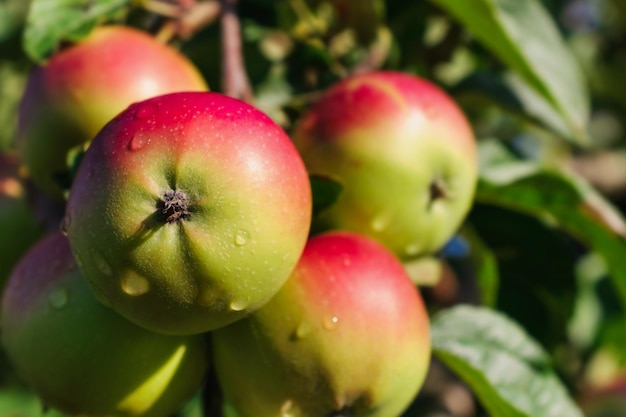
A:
x: 347, y: 335
x: 80, y: 356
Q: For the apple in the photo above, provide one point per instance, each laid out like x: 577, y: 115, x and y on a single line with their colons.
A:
x: 82, y: 357
x: 80, y: 88
x: 18, y: 223
x: 347, y: 335
x: 607, y: 399
x: 189, y: 211
x: 404, y: 153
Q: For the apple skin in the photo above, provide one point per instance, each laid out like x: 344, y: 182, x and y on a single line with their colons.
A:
x: 607, y: 399
x: 348, y: 334
x: 404, y: 153
x: 80, y: 356
x: 249, y: 203
x: 74, y: 94
x: 18, y: 223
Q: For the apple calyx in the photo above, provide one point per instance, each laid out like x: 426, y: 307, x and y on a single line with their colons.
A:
x: 174, y: 206
x: 438, y: 190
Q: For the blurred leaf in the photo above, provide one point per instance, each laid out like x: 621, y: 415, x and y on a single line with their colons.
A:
x: 485, y: 265
x: 567, y: 202
x: 12, y: 82
x: 23, y: 403
x: 507, y: 370
x: 12, y: 15
x: 51, y: 22
x: 524, y: 36
x: 325, y: 192
x: 535, y: 264
x: 513, y: 94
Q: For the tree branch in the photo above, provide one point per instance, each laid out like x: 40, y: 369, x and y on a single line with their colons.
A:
x: 234, y: 77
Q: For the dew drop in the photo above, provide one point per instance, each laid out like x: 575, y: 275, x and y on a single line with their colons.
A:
x: 102, y: 264
x: 135, y: 285
x: 59, y: 297
x: 286, y: 409
x: 137, y: 142
x: 331, y: 322
x: 302, y: 330
x: 65, y: 224
x: 412, y: 249
x: 241, y: 237
x: 145, y: 111
x: 238, y: 305
x: 380, y: 222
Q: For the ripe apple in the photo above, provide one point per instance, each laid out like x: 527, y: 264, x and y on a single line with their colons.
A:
x: 70, y: 98
x: 189, y: 211
x: 347, y: 335
x: 403, y: 152
x: 18, y: 224
x: 82, y: 357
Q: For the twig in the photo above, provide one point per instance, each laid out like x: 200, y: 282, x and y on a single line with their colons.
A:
x: 234, y: 77
x: 181, y: 18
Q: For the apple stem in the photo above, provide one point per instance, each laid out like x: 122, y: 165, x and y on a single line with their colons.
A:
x: 235, y: 81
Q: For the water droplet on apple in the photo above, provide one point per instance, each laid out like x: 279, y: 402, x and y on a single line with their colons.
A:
x: 65, y: 224
x: 303, y: 330
x: 137, y: 142
x: 135, y: 285
x: 412, y: 249
x: 102, y: 264
x: 145, y: 111
x: 241, y: 237
x: 330, y: 322
x: 381, y: 222
x: 59, y: 297
x: 238, y: 305
x: 286, y: 409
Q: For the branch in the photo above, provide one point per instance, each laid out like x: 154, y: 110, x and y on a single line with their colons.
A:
x: 234, y: 77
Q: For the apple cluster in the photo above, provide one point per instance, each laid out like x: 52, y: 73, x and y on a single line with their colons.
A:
x: 189, y: 243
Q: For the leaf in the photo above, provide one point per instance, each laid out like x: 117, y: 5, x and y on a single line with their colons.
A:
x: 513, y: 94
x: 506, y: 369
x: 536, y: 266
x: 325, y: 192
x: 12, y: 15
x: 486, y: 266
x: 524, y: 36
x: 51, y: 22
x: 565, y: 201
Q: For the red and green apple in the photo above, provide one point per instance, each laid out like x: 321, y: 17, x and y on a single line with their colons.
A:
x: 189, y: 211
x: 347, y: 335
x: 80, y: 88
x: 82, y: 357
x: 404, y: 153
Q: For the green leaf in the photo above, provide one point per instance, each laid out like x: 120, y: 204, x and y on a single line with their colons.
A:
x: 51, y: 22
x: 536, y: 265
x: 524, y: 36
x: 12, y: 14
x: 325, y: 192
x: 565, y: 201
x: 486, y: 266
x: 506, y: 369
